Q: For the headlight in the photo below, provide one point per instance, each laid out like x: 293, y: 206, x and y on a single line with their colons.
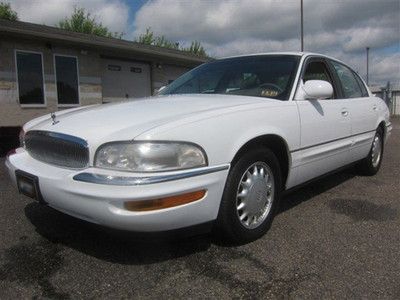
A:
x: 150, y: 156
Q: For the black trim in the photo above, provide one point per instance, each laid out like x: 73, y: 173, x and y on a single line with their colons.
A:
x: 331, y: 141
x: 338, y: 83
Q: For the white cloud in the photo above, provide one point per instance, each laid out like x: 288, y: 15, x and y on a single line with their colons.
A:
x: 219, y: 21
x: 113, y: 14
x: 251, y: 45
x: 382, y: 66
x: 375, y: 37
x: 229, y: 27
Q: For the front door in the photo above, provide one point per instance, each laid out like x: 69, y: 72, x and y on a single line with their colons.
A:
x: 325, y: 126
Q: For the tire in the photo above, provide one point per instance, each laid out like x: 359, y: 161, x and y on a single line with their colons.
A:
x: 370, y: 165
x: 263, y: 192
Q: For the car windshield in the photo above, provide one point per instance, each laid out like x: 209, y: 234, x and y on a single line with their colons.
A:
x: 268, y: 76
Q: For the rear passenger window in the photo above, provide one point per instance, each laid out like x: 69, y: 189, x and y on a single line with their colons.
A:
x: 362, y: 86
x: 350, y: 86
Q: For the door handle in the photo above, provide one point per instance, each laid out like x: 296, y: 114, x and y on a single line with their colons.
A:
x: 374, y: 107
x: 345, y: 113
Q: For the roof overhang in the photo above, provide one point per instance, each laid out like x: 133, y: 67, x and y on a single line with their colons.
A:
x: 52, y: 34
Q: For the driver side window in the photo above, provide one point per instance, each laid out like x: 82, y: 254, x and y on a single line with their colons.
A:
x: 317, y: 70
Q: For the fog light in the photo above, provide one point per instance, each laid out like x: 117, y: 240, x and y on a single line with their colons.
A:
x: 161, y: 203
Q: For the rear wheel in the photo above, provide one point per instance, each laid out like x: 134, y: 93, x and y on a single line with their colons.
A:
x: 370, y: 165
x: 250, y: 197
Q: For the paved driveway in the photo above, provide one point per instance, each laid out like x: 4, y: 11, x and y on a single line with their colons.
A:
x: 339, y: 237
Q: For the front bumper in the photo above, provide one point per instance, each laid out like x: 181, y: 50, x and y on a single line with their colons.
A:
x: 103, y: 202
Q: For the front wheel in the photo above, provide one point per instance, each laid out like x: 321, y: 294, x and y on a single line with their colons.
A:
x: 370, y: 165
x: 250, y: 197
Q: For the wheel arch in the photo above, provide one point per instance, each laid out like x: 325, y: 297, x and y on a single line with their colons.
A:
x: 276, y: 144
x: 382, y: 125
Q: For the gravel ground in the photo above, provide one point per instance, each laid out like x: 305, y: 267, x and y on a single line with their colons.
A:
x: 337, y: 238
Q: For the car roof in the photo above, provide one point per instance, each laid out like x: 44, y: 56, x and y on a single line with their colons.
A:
x: 292, y: 53
x: 265, y: 53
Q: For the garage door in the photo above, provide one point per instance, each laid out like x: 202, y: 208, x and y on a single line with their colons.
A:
x: 173, y: 72
x: 124, y: 79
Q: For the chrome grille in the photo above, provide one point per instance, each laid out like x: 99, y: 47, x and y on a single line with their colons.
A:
x: 57, y: 149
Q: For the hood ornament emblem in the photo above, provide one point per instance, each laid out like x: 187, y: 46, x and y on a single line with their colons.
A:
x: 53, y: 118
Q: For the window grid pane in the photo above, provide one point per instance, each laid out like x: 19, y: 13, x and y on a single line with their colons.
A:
x: 67, y: 80
x: 30, y: 78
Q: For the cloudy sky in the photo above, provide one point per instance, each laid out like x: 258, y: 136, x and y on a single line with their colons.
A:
x: 340, y: 28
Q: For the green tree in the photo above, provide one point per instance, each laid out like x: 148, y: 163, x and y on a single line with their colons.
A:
x: 148, y: 38
x: 161, y: 41
x: 82, y: 21
x: 6, y: 13
x: 196, y: 48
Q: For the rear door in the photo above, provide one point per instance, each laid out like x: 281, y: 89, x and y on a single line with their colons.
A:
x: 362, y: 108
x: 325, y: 125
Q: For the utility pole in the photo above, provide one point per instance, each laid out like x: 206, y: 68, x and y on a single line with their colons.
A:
x: 302, y: 29
x: 367, y: 65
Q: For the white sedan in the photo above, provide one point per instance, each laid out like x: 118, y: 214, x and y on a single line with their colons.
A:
x: 217, y: 146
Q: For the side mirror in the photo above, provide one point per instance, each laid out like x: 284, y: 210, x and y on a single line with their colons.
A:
x: 317, y: 89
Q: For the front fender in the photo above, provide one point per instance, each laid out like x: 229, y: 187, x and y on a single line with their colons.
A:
x: 222, y: 136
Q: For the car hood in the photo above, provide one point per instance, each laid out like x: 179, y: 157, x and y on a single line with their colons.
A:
x: 126, y: 120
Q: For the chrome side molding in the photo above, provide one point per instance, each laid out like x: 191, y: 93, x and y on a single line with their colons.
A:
x: 135, y: 181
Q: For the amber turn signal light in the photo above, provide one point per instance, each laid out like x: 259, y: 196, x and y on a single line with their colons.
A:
x: 161, y: 203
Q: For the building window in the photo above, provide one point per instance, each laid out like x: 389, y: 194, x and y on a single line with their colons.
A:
x: 66, y: 69
x: 30, y: 78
